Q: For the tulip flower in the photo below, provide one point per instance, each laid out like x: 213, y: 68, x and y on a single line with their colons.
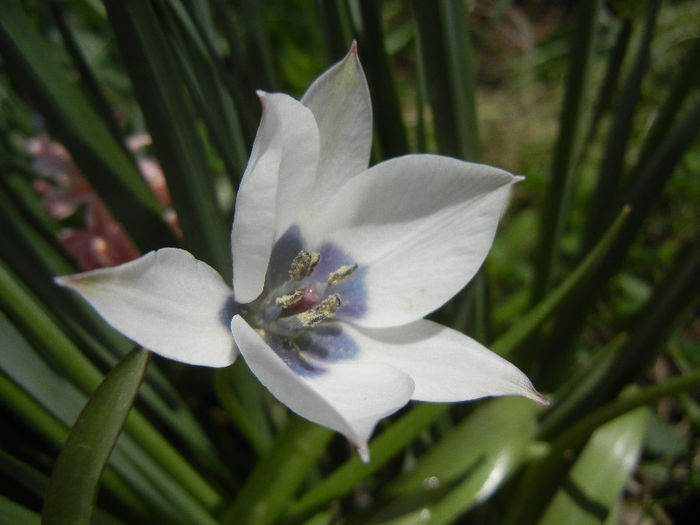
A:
x: 335, y: 264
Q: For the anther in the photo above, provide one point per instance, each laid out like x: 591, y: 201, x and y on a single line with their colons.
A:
x: 303, y: 265
x: 326, y: 309
x: 341, y: 274
x: 285, y: 301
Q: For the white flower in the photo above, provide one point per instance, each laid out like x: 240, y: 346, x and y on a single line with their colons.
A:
x: 335, y: 266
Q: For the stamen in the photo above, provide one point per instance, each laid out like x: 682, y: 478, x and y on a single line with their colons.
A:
x: 341, y: 274
x: 303, y: 265
x: 285, y: 301
x: 326, y: 309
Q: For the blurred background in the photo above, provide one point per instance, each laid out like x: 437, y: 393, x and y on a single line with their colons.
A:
x: 125, y: 126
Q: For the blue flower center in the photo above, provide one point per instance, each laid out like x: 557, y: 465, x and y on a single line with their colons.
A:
x: 305, y: 292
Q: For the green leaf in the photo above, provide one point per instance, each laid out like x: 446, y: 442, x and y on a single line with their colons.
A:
x: 191, y: 39
x: 533, y: 489
x: 35, y: 320
x: 557, y: 201
x: 497, y: 433
x: 474, y: 458
x: 599, y: 474
x: 72, y: 491
x: 47, y: 427
x: 12, y: 513
x: 275, y: 480
x: 172, y: 122
x: 28, y: 61
x: 646, y: 189
x: 443, y: 43
x: 243, y: 401
x: 90, y: 83
x: 609, y: 86
x: 382, y: 449
x: 606, y: 194
x: 388, y: 122
x: 576, y: 280
x: 21, y: 242
x: 683, y: 84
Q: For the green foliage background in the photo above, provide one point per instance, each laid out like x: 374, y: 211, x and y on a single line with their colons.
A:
x: 591, y: 286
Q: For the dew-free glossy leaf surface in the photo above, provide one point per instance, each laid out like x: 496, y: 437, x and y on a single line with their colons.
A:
x: 75, y: 479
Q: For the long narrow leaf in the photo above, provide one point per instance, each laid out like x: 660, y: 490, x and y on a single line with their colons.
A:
x: 472, y: 460
x: 647, y: 187
x: 29, y: 62
x: 45, y: 333
x: 442, y: 35
x: 388, y: 122
x: 172, y: 122
x: 598, y: 476
x: 277, y: 477
x: 199, y: 62
x: 605, y: 195
x: 75, y: 479
x: 12, y: 513
x: 562, y: 175
x: 531, y: 497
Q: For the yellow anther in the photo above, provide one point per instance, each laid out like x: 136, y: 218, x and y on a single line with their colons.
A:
x: 303, y: 265
x: 341, y: 274
x: 326, y: 309
x: 285, y: 301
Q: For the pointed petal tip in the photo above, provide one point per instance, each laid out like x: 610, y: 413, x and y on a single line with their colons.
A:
x: 70, y: 281
x: 538, y: 398
x: 518, y: 178
x: 262, y: 96
x: 363, y: 452
x: 352, y: 55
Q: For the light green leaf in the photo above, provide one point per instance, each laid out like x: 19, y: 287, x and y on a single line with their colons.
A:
x: 493, y: 438
x: 599, y: 474
x: 474, y: 458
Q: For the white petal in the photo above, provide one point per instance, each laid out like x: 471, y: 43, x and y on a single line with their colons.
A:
x: 445, y: 364
x: 421, y: 225
x: 280, y: 170
x: 347, y: 397
x: 341, y: 105
x: 168, y: 302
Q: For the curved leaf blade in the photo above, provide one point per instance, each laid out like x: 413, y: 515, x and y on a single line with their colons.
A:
x: 73, y: 487
x: 599, y: 475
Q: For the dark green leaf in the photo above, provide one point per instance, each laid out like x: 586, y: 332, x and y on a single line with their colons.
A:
x: 72, y: 491
x: 557, y: 201
x: 275, y: 480
x: 28, y: 60
x: 167, y: 107
x: 12, y: 513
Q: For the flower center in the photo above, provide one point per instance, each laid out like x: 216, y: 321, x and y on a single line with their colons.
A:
x: 303, y: 302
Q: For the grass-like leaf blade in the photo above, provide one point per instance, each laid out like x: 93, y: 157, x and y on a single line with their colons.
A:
x: 73, y: 487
